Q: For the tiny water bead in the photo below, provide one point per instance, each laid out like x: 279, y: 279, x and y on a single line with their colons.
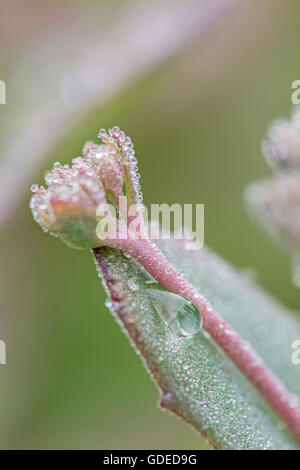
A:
x: 179, y: 314
x: 295, y: 271
x: 133, y: 284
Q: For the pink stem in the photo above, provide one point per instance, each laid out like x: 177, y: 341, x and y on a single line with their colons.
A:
x: 238, y: 350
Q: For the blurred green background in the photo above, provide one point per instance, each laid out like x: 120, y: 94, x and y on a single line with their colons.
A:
x: 71, y: 379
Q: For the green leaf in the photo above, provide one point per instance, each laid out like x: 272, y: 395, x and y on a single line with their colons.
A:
x: 197, y: 381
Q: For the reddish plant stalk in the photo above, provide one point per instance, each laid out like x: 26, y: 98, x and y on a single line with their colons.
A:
x: 275, y: 393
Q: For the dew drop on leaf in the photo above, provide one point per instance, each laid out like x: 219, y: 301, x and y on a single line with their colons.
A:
x: 178, y: 313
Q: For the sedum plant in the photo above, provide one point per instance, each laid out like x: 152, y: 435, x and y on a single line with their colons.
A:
x: 208, y: 336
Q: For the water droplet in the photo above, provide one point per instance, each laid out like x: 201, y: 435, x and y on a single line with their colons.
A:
x: 181, y: 315
x: 166, y: 400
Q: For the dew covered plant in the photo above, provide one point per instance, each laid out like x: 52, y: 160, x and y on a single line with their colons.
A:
x: 78, y: 205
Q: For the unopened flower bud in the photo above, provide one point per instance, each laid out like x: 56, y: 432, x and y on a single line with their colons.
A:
x: 67, y: 208
x: 281, y: 147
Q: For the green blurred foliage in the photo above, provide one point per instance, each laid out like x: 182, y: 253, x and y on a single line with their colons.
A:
x: 71, y: 379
